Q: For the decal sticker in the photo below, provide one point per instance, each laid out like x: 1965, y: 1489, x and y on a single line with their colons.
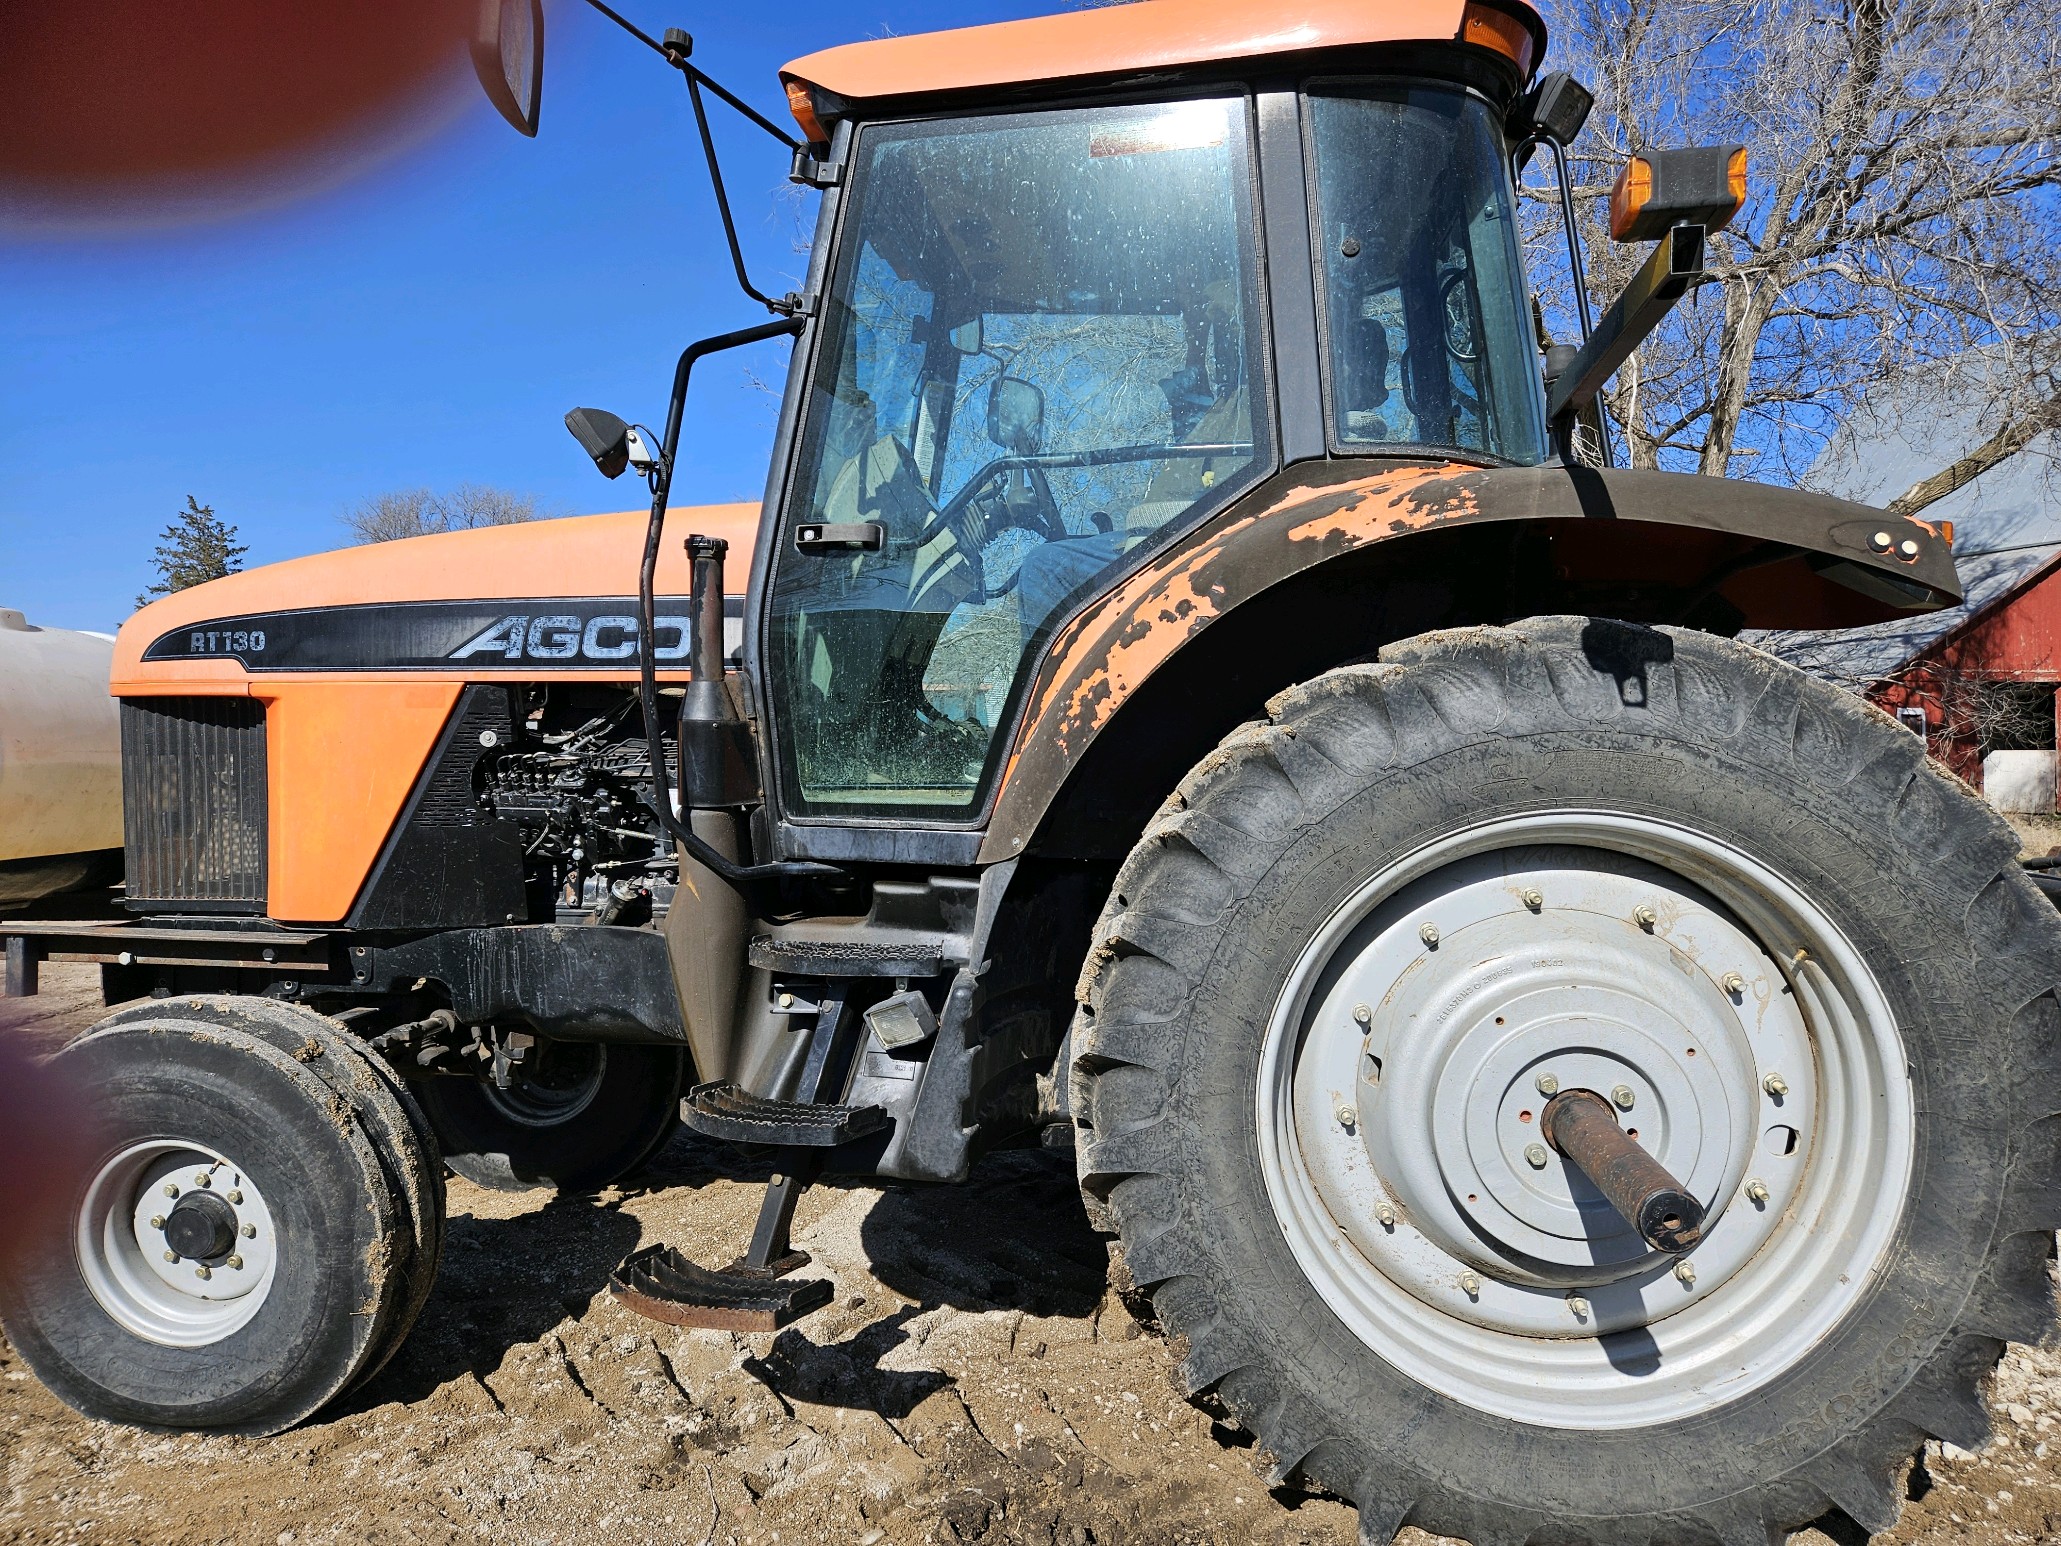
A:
x: 552, y: 634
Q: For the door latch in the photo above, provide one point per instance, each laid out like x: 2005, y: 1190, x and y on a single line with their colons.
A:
x: 850, y: 536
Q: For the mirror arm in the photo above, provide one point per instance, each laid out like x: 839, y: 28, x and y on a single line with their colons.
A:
x: 1675, y: 267
x: 674, y: 51
x: 1576, y: 270
x: 715, y: 177
x: 757, y: 884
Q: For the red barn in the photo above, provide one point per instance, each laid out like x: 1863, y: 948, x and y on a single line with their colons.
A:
x: 1986, y: 686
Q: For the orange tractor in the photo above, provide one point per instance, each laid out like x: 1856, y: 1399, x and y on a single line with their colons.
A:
x: 1201, y: 698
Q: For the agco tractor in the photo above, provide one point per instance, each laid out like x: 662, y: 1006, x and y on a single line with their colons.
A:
x: 1198, y: 694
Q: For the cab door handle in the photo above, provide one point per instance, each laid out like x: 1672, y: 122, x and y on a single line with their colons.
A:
x: 850, y: 536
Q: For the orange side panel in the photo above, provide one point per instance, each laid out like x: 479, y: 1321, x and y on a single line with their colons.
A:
x: 1125, y: 40
x: 342, y: 757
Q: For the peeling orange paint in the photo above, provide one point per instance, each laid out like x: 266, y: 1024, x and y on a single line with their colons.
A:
x: 1113, y: 647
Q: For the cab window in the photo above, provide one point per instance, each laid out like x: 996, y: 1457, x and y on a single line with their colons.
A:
x: 1038, y: 357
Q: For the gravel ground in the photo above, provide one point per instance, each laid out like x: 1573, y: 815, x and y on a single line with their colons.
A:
x: 976, y: 1379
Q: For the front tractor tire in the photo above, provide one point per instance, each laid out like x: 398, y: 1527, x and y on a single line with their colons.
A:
x: 1366, y: 941
x: 257, y: 1231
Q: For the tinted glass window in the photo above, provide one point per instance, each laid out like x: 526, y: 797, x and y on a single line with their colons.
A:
x: 1039, y: 354
x: 1430, y: 339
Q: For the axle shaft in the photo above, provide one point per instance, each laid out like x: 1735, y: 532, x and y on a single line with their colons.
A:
x: 1583, y: 1127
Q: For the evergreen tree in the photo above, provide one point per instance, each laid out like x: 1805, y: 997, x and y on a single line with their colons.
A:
x: 195, y: 548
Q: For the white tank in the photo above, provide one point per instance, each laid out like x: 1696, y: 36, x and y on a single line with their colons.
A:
x: 60, y: 760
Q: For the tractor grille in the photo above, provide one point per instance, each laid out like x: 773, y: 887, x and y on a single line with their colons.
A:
x: 193, y: 802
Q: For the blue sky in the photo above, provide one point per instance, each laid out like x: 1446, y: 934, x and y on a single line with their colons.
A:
x: 426, y: 324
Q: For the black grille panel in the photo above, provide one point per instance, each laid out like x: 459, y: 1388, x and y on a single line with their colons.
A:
x: 193, y: 802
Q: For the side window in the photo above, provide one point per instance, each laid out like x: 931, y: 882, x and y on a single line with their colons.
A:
x: 1416, y: 234
x: 1038, y: 354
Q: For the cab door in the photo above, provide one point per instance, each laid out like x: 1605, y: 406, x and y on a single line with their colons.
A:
x: 1040, y: 357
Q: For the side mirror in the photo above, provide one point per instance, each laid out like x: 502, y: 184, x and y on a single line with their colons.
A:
x: 602, y: 436
x: 508, y: 57
x: 1657, y: 189
x: 966, y: 337
x: 1016, y: 415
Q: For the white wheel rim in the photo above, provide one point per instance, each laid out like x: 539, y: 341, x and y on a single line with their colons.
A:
x: 1394, y: 1149
x: 123, y: 1250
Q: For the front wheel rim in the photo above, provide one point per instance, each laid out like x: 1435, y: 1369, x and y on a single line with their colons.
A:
x: 131, y: 1243
x: 1400, y: 1082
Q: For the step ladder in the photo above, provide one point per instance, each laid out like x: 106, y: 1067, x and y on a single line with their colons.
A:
x: 755, y: 1293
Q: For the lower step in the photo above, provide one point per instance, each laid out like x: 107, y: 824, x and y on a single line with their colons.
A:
x: 661, y: 1284
x: 725, y: 1111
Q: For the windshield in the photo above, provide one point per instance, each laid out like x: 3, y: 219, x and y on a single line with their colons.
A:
x: 1037, y: 358
x: 1428, y: 338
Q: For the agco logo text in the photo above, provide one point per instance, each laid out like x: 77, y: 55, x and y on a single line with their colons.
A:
x: 522, y: 637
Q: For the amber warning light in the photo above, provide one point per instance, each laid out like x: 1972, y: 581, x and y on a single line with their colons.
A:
x: 1487, y: 26
x: 1703, y: 185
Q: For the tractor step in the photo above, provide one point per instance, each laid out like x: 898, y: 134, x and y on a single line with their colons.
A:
x: 662, y: 1285
x: 725, y: 1111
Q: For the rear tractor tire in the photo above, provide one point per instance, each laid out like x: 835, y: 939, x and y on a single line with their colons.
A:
x: 256, y: 1234
x: 1369, y: 938
x: 583, y: 1116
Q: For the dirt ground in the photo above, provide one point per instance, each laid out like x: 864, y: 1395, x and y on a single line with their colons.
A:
x: 975, y: 1380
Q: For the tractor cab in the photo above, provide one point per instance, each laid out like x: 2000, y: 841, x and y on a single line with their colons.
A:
x: 1048, y: 347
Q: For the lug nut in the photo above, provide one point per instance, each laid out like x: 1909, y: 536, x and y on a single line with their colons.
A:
x: 1470, y: 1285
x: 1775, y: 1085
x: 1384, y: 1215
x: 787, y: 1001
x: 1531, y: 898
x: 1347, y: 1117
x: 234, y: 1263
x: 202, y: 1178
x: 1645, y: 917
x: 1732, y: 983
x: 1363, y: 1014
x: 1622, y: 1097
x: 1548, y: 1084
x: 250, y: 1231
x: 235, y: 1198
x: 171, y: 1190
x: 1579, y: 1306
x: 1756, y: 1190
x: 171, y: 1256
x: 1685, y: 1272
x: 1535, y: 1155
x: 1429, y: 934
x: 202, y: 1272
x: 157, y: 1221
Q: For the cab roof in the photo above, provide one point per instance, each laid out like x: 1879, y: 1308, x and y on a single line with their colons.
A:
x: 1148, y: 36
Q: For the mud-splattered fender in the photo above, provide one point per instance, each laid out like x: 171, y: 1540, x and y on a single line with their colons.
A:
x: 1806, y: 560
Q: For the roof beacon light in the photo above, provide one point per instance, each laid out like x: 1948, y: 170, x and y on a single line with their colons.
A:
x: 1488, y: 26
x: 1704, y: 185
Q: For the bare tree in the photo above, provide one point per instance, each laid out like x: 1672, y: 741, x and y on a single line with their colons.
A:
x: 418, y: 512
x: 1902, y: 213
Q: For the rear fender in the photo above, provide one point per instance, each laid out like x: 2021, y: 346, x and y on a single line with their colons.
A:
x: 1646, y: 546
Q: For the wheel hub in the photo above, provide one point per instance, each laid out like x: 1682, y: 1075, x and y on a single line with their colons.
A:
x: 201, y: 1225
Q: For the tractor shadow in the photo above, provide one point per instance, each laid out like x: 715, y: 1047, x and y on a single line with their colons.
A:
x: 502, y: 1283
x: 1012, y: 1237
